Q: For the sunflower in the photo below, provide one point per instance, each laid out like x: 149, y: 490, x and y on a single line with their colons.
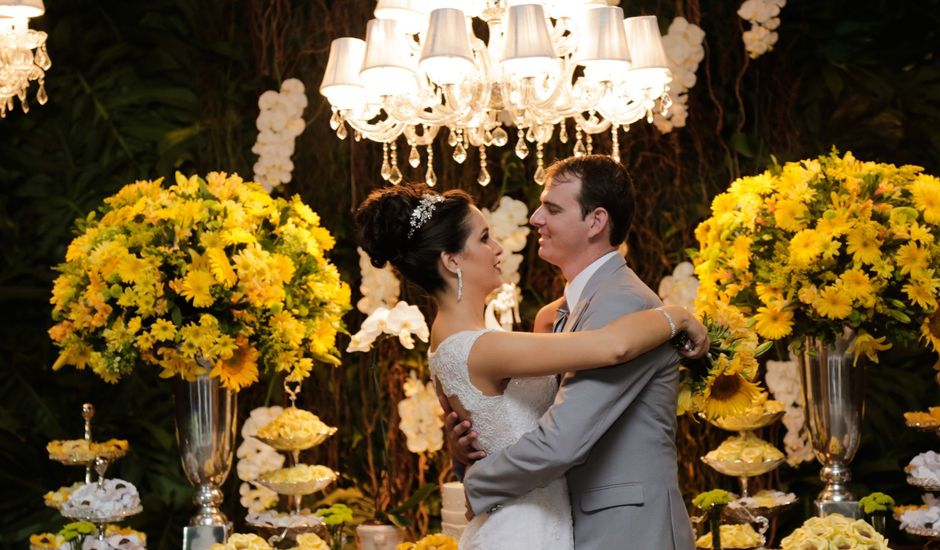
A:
x: 930, y: 331
x: 728, y: 394
x: 241, y: 369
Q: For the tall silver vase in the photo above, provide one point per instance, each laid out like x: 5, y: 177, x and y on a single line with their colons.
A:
x: 205, y: 431
x: 834, y: 398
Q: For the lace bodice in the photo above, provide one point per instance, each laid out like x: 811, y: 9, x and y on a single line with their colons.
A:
x: 501, y: 419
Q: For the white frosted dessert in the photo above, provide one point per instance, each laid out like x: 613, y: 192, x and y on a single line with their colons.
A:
x: 114, y: 497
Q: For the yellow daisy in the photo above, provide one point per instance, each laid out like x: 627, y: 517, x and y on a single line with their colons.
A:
x: 923, y: 292
x: 833, y: 302
x: 856, y: 283
x: 773, y: 321
x: 912, y: 259
x: 197, y: 287
x: 863, y: 243
x: 789, y: 215
x: 926, y: 194
x: 221, y: 268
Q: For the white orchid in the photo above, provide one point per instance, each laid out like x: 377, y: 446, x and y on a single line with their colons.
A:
x: 403, y: 321
x: 280, y: 121
x: 683, y: 43
x: 764, y: 20
x: 256, y: 499
x: 421, y: 416
x: 509, y: 226
x: 503, y: 309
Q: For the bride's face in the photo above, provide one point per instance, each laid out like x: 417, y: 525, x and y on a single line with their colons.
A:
x: 480, y: 259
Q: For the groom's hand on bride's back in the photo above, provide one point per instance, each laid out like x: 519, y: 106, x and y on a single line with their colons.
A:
x: 461, y: 439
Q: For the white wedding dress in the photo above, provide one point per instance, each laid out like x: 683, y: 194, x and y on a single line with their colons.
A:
x: 540, y: 519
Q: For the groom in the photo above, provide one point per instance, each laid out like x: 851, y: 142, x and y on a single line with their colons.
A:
x: 611, y: 431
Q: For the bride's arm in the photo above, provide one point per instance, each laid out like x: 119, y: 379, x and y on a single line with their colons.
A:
x: 519, y: 354
x: 545, y: 318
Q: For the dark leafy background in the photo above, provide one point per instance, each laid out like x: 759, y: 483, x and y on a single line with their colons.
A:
x: 142, y: 89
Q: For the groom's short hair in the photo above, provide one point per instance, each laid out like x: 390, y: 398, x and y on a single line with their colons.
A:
x: 605, y: 183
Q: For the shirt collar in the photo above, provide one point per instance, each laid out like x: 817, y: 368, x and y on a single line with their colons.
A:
x: 575, y: 286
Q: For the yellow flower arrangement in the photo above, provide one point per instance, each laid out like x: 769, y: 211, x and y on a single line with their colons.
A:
x: 832, y: 532
x: 204, y: 276
x: 814, y: 246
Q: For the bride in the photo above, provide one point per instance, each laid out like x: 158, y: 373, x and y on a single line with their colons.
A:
x: 503, y: 381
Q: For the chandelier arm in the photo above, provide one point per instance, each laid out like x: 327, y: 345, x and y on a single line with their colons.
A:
x: 384, y: 131
x: 591, y: 128
x: 426, y: 137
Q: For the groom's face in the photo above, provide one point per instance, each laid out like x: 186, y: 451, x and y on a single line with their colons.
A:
x: 563, y: 231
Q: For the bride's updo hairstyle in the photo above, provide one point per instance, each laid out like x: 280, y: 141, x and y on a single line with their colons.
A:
x: 385, y: 220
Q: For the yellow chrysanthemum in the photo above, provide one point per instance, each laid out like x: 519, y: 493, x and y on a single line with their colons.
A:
x: 869, y: 346
x: 863, y: 244
x: 912, y: 259
x: 923, y: 292
x: 856, y: 283
x: 197, y: 287
x: 833, y: 302
x: 773, y: 321
x: 834, y: 222
x: 221, y: 268
x: 241, y: 369
x: 805, y: 247
x: 728, y: 394
x: 926, y: 194
x: 162, y: 329
x: 789, y: 215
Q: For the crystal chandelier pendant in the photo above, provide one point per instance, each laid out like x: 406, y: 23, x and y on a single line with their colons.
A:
x: 484, y: 177
x: 500, y: 137
x: 395, y: 176
x: 563, y: 133
x: 615, y: 143
x: 414, y: 159
x: 579, y: 150
x: 522, y: 150
x: 386, y: 170
x: 341, y: 132
x: 430, y: 177
x: 589, y: 142
x: 540, y: 165
x: 335, y: 119
x: 460, y: 153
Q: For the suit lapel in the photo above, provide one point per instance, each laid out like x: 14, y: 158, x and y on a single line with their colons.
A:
x: 606, y: 269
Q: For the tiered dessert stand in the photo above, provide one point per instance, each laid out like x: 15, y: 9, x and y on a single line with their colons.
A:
x: 930, y: 424
x: 746, y: 509
x: 95, y: 457
x: 280, y: 528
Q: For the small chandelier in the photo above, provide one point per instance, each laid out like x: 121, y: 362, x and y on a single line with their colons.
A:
x: 23, y: 56
x: 422, y: 68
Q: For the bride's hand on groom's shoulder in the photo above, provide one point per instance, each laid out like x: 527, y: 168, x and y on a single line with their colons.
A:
x: 469, y: 511
x: 461, y: 439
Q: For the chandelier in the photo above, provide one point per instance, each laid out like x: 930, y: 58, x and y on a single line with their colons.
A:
x: 422, y: 68
x: 23, y: 56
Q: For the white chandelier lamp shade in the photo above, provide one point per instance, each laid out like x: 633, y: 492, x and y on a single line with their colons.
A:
x: 527, y: 46
x: 342, y: 85
x: 446, y: 57
x: 425, y: 66
x: 22, y: 8
x: 23, y: 55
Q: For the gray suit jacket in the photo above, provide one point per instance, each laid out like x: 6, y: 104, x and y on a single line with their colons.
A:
x: 611, y: 431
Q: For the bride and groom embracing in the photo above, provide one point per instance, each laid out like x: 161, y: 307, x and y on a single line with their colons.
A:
x: 587, y: 463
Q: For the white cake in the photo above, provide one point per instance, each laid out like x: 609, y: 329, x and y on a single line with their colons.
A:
x: 453, y: 509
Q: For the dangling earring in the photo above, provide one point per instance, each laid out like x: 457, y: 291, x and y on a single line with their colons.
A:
x: 459, y: 284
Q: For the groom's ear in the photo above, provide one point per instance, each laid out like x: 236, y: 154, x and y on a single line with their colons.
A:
x: 599, y: 220
x: 449, y: 262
